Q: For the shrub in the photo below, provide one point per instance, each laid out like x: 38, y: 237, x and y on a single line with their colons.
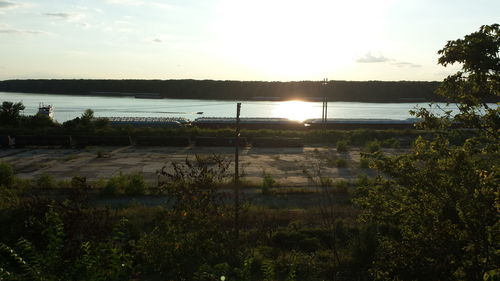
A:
x: 135, y: 184
x: 100, y: 153
x: 342, y: 146
x: 341, y: 163
x: 341, y: 188
x: 6, y: 174
x: 45, y: 181
x: 132, y: 184
x: 325, y: 181
x: 114, y: 185
x: 372, y: 146
x: 364, y: 163
x: 392, y: 143
x: 268, y: 182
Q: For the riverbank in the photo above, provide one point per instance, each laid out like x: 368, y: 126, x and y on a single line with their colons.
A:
x: 349, y: 91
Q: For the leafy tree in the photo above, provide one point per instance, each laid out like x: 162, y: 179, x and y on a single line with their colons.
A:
x: 192, y: 236
x: 10, y: 113
x: 437, y: 207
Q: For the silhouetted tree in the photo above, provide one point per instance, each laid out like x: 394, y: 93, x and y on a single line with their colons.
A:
x: 437, y: 207
x: 10, y: 113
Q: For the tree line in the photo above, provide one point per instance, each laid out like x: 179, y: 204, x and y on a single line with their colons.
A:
x: 360, y: 91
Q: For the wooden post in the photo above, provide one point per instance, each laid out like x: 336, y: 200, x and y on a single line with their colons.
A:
x: 237, y: 174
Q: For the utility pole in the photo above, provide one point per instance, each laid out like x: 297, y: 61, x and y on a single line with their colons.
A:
x: 323, y: 111
x: 324, y: 119
x: 237, y: 175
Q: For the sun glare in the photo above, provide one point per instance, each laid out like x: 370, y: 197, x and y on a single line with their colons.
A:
x: 296, y: 39
x: 297, y: 110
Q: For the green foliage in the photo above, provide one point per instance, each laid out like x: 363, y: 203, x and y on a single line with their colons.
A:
x: 372, y: 146
x: 45, y: 181
x: 391, y: 142
x: 105, y: 260
x: 6, y: 175
x: 342, y: 146
x: 364, y: 163
x: 296, y: 240
x: 203, y: 172
x: 192, y: 237
x: 89, y: 124
x: 440, y: 201
x: 131, y: 184
x: 10, y: 113
x: 341, y: 163
x: 39, y: 121
x: 268, y: 270
x: 268, y: 182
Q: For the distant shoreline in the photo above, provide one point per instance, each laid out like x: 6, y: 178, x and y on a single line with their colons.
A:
x: 347, y: 91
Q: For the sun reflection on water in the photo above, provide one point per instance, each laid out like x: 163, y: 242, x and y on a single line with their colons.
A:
x: 297, y: 110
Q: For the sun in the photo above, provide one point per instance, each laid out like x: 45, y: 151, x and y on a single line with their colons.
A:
x: 297, y: 110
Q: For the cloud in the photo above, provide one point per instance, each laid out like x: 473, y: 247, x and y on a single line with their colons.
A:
x: 7, y: 4
x: 13, y: 31
x: 405, y: 64
x: 153, y: 4
x: 66, y: 16
x: 157, y: 40
x: 369, y: 58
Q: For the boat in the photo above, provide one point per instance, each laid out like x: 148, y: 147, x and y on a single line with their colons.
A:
x: 46, y: 110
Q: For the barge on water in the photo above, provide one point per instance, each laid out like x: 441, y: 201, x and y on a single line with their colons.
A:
x: 157, y: 122
x: 352, y: 124
x: 254, y: 123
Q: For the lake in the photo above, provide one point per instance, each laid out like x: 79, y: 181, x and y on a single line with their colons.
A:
x: 68, y: 107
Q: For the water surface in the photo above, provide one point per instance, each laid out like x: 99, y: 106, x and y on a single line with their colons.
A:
x: 69, y: 107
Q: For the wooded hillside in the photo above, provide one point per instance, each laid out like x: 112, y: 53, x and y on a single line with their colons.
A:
x: 366, y: 91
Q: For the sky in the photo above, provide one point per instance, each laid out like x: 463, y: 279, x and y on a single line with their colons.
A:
x: 269, y: 40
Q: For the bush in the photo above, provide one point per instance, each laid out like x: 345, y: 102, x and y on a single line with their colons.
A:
x: 45, y: 181
x: 114, y: 185
x: 372, y: 146
x: 392, y: 143
x: 132, y: 184
x: 341, y: 163
x: 6, y: 174
x: 135, y: 185
x: 342, y: 146
x: 364, y: 163
x: 268, y: 182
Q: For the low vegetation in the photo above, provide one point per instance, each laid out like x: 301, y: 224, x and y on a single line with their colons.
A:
x: 429, y: 214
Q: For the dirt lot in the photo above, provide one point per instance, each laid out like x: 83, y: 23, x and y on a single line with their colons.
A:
x: 288, y: 166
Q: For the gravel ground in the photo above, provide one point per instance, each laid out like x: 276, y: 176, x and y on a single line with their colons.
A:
x: 288, y: 166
